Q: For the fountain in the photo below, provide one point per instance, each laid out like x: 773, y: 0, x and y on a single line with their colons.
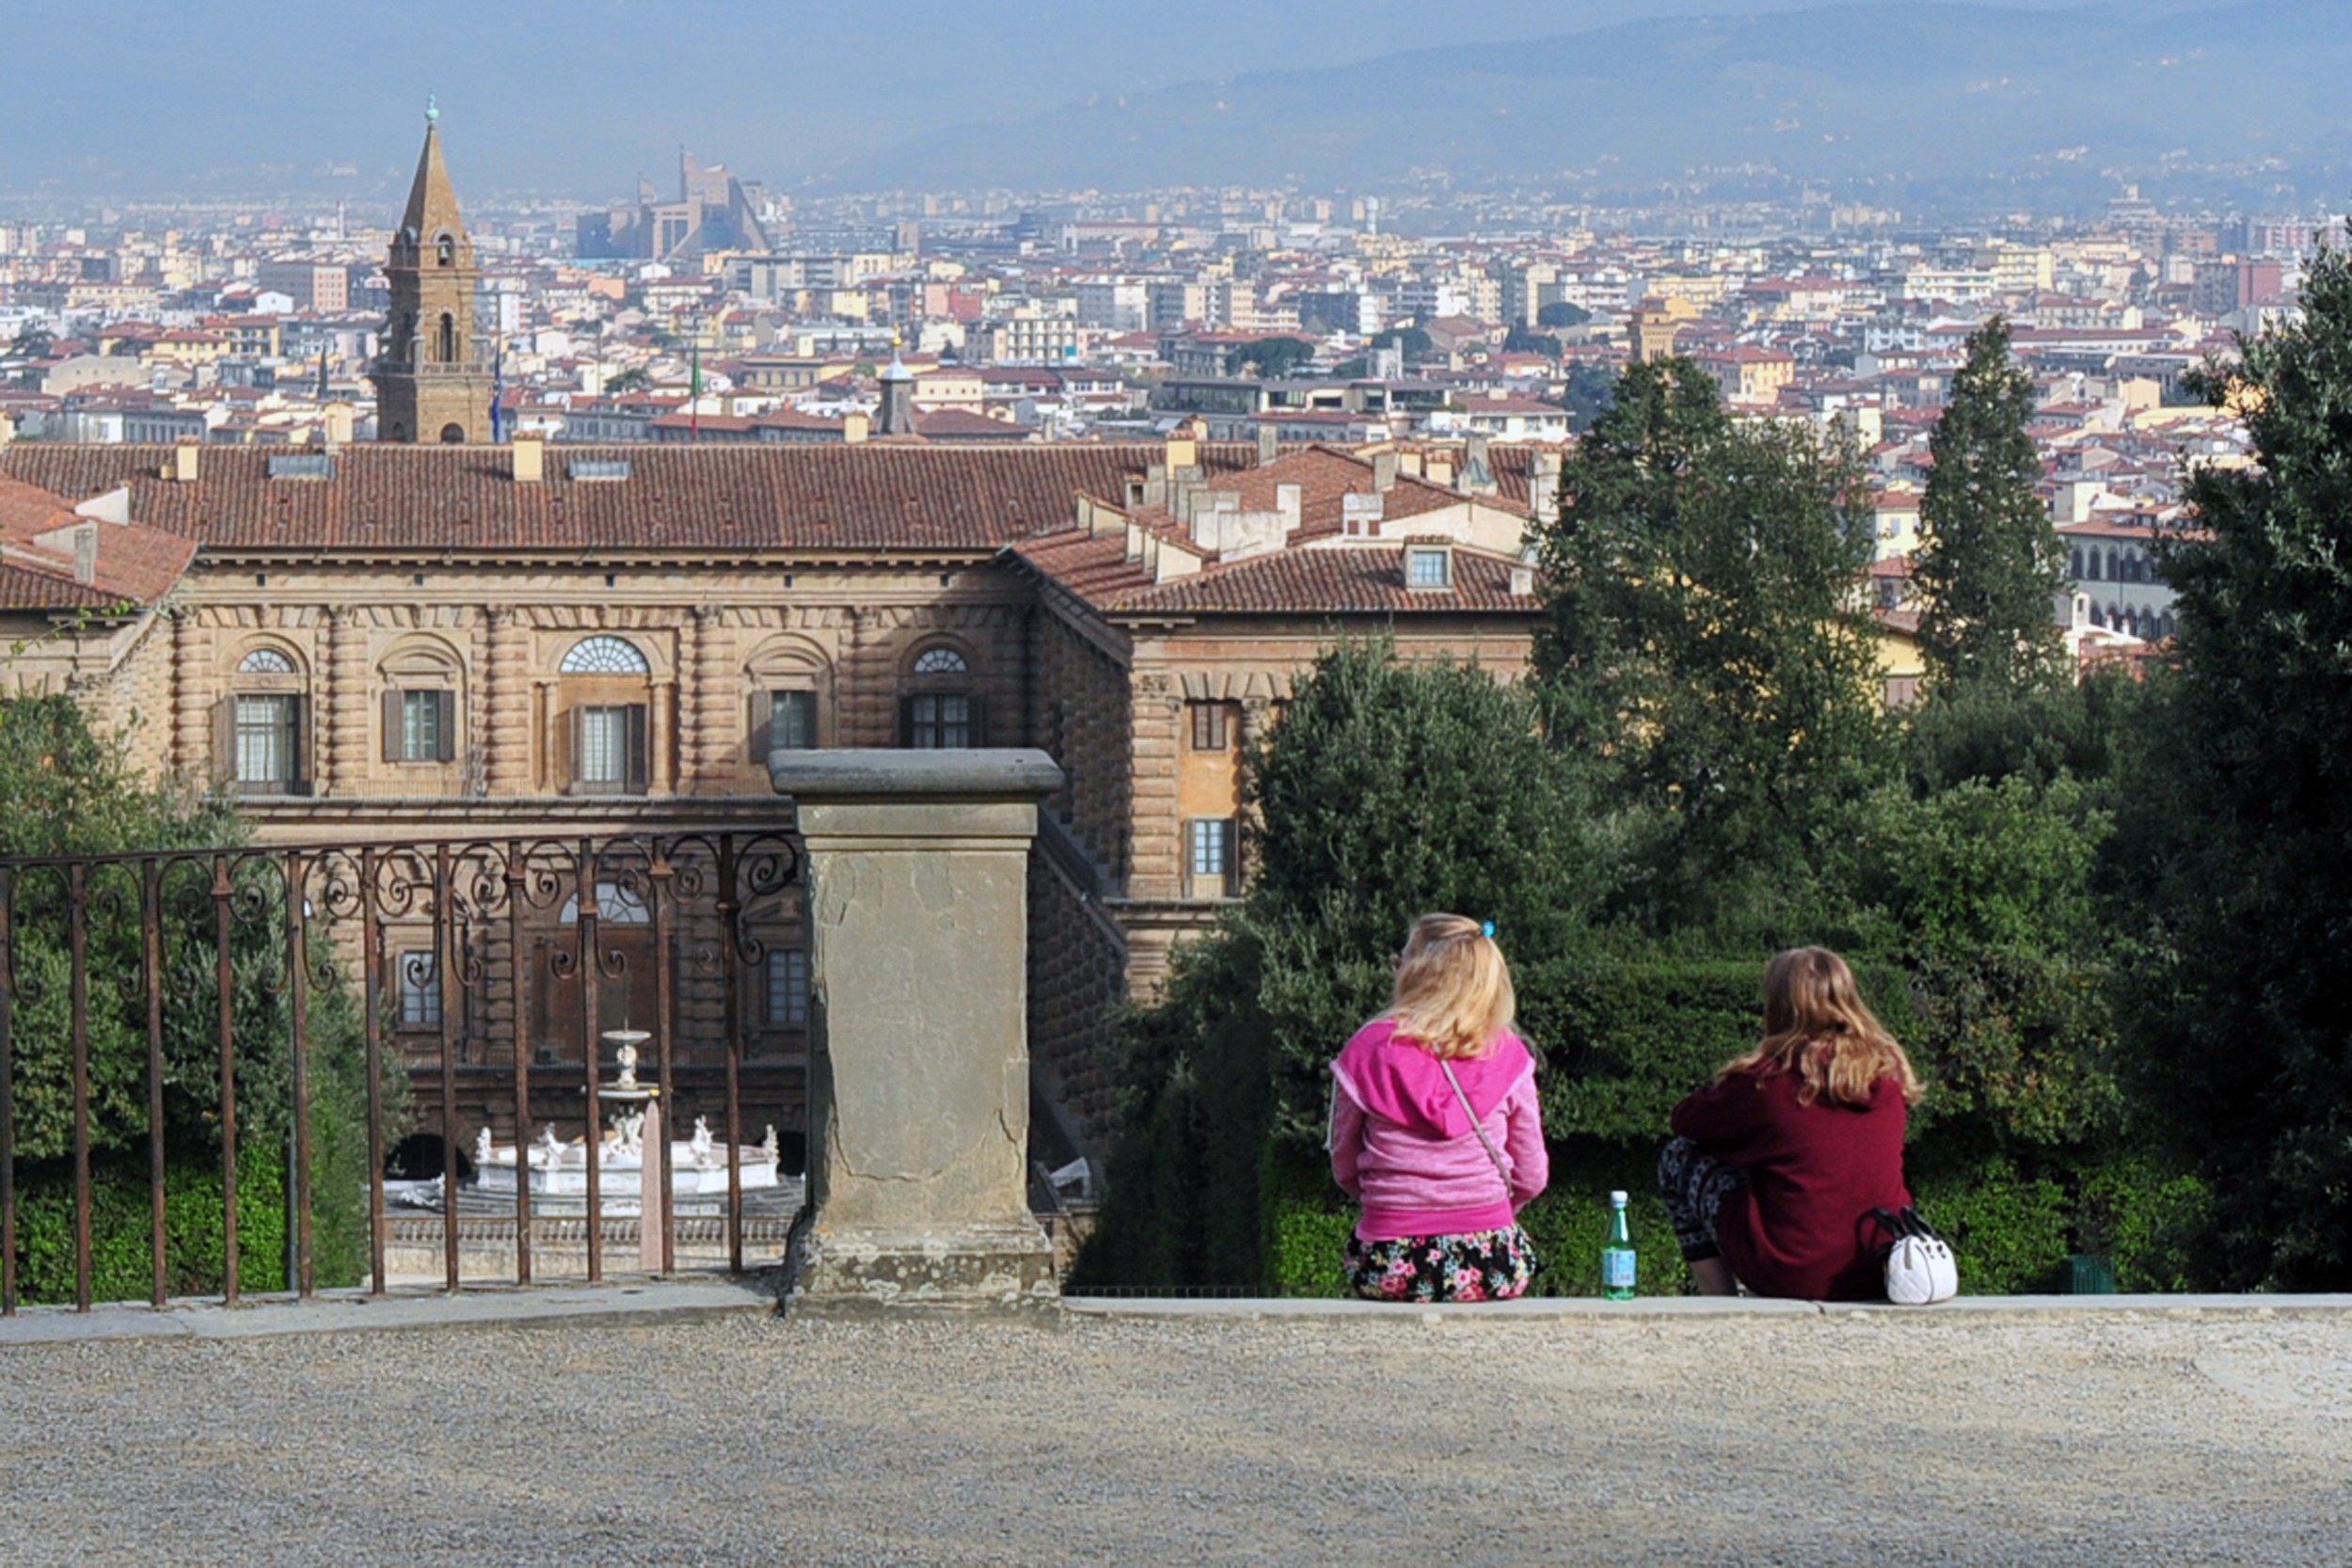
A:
x: 557, y: 1171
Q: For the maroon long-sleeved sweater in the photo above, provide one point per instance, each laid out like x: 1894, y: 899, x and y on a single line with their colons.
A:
x: 1802, y: 1226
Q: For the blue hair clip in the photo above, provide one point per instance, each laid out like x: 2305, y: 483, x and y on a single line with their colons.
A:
x: 1489, y: 929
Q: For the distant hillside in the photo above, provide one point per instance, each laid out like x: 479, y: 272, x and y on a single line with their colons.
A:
x: 1900, y: 95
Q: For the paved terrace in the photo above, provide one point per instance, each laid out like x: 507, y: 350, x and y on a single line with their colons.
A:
x: 685, y: 1423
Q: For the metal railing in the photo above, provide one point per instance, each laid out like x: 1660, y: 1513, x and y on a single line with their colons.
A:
x: 499, y: 945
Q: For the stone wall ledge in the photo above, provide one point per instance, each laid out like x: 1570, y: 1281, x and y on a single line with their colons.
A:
x: 874, y: 773
x: 1594, y: 1308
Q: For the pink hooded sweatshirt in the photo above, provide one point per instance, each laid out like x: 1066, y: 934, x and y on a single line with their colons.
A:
x: 1402, y: 1145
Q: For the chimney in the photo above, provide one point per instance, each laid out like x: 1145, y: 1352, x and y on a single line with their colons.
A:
x: 85, y: 553
x: 1407, y: 463
x: 1269, y: 444
x: 1440, y: 471
x: 8, y: 429
x: 1182, y: 452
x: 183, y: 463
x: 530, y: 459
x: 1384, y: 472
x: 1287, y: 503
x: 854, y: 427
x: 339, y: 423
x: 1543, y: 485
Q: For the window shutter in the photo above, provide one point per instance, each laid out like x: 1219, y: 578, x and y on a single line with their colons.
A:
x: 576, y: 718
x: 906, y: 722
x: 977, y: 727
x: 445, y: 705
x: 640, y: 773
x: 763, y: 727
x: 225, y: 740
x: 300, y: 783
x: 395, y: 746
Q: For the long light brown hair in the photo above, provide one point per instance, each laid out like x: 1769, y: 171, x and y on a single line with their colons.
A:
x: 1453, y: 995
x: 1816, y: 1027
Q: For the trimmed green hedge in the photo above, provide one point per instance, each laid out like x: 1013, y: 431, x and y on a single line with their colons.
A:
x: 122, y: 1232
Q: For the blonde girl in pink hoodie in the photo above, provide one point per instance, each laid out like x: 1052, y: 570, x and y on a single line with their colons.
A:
x: 1435, y: 1129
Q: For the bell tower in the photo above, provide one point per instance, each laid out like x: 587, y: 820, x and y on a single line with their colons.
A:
x: 433, y: 381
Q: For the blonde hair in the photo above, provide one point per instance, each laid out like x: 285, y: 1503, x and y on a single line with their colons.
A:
x: 1453, y: 995
x: 1816, y: 1027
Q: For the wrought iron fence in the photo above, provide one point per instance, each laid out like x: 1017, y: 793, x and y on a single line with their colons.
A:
x: 492, y: 958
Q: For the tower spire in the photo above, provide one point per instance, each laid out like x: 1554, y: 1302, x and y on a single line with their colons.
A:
x: 434, y: 380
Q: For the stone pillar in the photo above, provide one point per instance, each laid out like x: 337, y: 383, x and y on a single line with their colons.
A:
x: 345, y: 703
x: 506, y: 704
x: 662, y: 737
x: 194, y: 691
x: 711, y: 760
x: 1155, y: 866
x: 917, y: 868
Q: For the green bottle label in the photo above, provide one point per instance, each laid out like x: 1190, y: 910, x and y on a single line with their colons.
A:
x: 1616, y: 1268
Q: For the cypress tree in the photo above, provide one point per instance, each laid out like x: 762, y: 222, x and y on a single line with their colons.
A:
x: 1990, y: 566
x: 2247, y: 791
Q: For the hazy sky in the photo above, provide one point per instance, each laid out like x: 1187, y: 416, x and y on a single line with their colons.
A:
x: 575, y: 96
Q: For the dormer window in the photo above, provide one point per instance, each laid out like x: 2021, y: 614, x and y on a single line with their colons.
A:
x: 1429, y: 569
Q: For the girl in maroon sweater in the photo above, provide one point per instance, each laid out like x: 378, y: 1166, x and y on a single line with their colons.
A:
x: 1776, y: 1167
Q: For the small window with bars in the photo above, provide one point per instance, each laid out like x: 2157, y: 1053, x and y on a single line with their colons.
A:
x: 940, y: 720
x: 788, y: 988
x: 417, y: 981
x: 783, y: 721
x: 1210, y: 862
x: 609, y: 748
x: 1212, y: 728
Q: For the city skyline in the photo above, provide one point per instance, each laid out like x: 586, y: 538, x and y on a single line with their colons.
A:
x: 1363, y: 106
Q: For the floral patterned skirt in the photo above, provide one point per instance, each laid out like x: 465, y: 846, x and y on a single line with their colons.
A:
x: 1490, y: 1265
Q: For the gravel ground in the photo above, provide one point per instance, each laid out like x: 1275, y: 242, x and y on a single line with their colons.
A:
x: 2082, y: 1440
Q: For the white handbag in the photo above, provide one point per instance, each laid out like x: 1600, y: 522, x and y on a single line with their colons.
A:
x: 1920, y: 1268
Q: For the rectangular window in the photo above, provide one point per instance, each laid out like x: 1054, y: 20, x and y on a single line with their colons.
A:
x: 1428, y: 569
x: 939, y: 722
x: 604, y: 747
x: 788, y: 988
x: 265, y: 744
x: 422, y: 735
x: 1209, y: 856
x: 417, y: 980
x: 610, y: 749
x: 792, y: 718
x: 1207, y: 726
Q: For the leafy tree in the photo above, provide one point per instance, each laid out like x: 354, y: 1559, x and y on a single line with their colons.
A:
x: 1416, y: 343
x: 1268, y: 358
x: 34, y: 343
x: 1989, y: 565
x: 1521, y: 340
x: 1704, y: 650
x: 1590, y: 390
x: 1562, y: 312
x: 74, y: 794
x: 633, y: 379
x: 1389, y: 790
x: 2247, y: 800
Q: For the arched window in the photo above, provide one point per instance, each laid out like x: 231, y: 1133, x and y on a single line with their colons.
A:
x: 452, y: 436
x: 262, y: 728
x: 789, y: 682
x: 2092, y: 575
x: 445, y: 251
x: 2078, y: 562
x: 939, y: 710
x: 605, y: 656
x: 2114, y: 569
x: 2095, y: 618
x: 615, y: 906
x: 421, y: 715
x: 448, y: 351
x: 2164, y: 625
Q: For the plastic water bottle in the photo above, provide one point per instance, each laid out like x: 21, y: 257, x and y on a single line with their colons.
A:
x: 1616, y: 1254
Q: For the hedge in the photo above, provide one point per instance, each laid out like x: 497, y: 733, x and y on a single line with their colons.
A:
x: 122, y: 1232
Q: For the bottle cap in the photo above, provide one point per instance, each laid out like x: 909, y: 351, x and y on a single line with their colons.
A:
x: 1617, y: 1198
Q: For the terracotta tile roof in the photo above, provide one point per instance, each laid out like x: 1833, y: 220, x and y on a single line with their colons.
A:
x: 798, y: 496
x: 1341, y: 581
x: 1330, y: 581
x: 135, y: 564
